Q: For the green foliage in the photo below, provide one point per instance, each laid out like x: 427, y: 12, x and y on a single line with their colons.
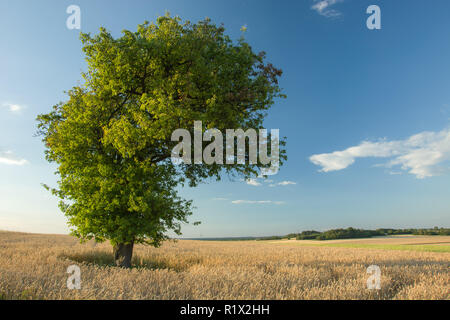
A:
x: 348, y: 233
x: 112, y: 141
x: 351, y: 233
x: 432, y: 232
x: 269, y: 238
x: 305, y: 235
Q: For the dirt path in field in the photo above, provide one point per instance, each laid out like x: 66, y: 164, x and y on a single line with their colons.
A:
x: 389, y: 240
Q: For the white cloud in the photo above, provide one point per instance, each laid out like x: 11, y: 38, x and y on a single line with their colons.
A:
x: 270, y: 182
x: 220, y: 199
x: 282, y: 183
x: 15, y: 108
x: 253, y: 182
x: 7, y: 157
x: 323, y: 7
x: 286, y: 183
x: 257, y: 202
x: 423, y: 154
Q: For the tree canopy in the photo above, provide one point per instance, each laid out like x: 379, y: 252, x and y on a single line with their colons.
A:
x: 111, y: 139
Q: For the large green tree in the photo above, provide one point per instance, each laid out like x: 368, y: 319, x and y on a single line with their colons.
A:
x: 112, y: 141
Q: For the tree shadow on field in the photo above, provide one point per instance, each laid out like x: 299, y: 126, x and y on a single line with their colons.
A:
x: 105, y: 259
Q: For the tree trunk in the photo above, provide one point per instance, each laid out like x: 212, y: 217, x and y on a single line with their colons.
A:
x: 122, y: 254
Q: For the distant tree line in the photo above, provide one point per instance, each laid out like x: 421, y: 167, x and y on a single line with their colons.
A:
x: 351, y: 233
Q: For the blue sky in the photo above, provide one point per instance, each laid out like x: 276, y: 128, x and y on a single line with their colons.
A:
x: 367, y: 116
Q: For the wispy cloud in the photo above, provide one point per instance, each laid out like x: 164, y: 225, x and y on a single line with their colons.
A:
x: 219, y: 199
x: 7, y: 157
x: 422, y: 155
x: 445, y: 110
x: 253, y: 182
x: 323, y: 7
x: 257, y: 202
x: 282, y: 183
x: 269, y: 182
x: 15, y: 108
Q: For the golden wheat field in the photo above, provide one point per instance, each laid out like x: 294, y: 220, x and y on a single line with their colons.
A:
x: 34, y: 266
